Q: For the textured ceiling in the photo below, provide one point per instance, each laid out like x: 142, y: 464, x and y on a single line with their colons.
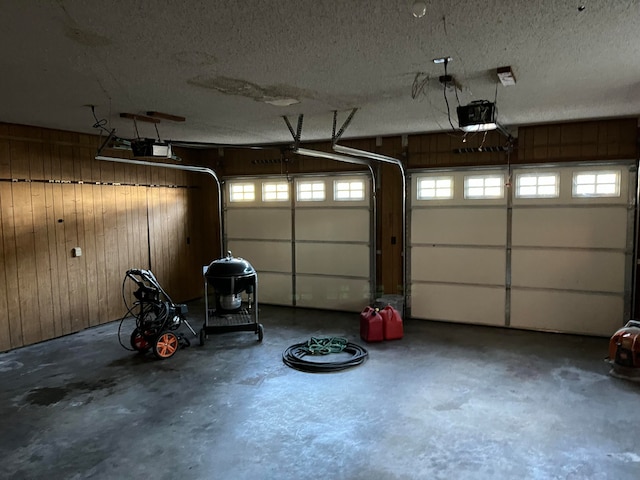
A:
x: 216, y: 62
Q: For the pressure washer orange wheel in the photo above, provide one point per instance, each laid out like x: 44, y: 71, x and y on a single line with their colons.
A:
x: 166, y: 345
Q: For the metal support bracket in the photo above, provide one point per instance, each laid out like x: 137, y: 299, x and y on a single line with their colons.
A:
x: 298, y: 132
x: 336, y: 136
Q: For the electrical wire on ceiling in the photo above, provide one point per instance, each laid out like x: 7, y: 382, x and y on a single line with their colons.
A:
x: 444, y: 91
x: 100, y: 124
x: 135, y: 126
x: 455, y: 50
x: 420, y: 81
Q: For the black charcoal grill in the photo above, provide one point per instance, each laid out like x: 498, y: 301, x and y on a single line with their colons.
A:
x: 231, y: 297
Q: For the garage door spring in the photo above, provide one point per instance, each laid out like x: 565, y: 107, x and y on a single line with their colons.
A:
x: 294, y: 356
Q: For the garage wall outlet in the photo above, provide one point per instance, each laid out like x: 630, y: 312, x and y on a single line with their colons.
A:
x: 76, y: 252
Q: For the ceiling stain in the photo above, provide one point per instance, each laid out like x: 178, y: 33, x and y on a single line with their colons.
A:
x: 259, y: 93
x: 85, y: 37
x: 238, y: 87
x: 79, y: 35
x: 196, y: 58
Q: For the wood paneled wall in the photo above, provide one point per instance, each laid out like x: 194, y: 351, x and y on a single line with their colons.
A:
x: 579, y: 141
x: 455, y: 150
x: 389, y: 213
x: 576, y: 141
x: 54, y: 197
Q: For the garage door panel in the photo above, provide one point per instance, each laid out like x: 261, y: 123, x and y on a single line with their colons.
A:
x: 275, y: 289
x: 459, y: 226
x: 569, y: 312
x: 569, y: 269
x: 458, y: 303
x: 600, y: 227
x: 332, y: 293
x: 262, y: 223
x: 458, y: 265
x: 264, y: 255
x: 330, y: 259
x: 333, y: 224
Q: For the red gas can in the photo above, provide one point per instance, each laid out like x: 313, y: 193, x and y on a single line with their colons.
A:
x: 392, y: 323
x: 371, y: 325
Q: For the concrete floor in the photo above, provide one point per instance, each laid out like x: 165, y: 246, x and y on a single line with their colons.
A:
x: 446, y: 402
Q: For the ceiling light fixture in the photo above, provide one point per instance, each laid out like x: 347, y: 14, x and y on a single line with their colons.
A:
x: 419, y: 9
x: 282, y: 102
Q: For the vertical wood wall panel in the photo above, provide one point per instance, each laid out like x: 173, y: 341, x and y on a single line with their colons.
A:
x: 7, y: 252
x: 59, y: 276
x: 5, y: 341
x: 88, y: 245
x: 40, y: 230
x: 389, y: 241
x: 11, y: 265
x: 75, y: 275
x: 100, y: 257
x: 25, y: 242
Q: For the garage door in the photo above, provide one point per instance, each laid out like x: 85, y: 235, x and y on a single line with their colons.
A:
x: 458, y: 246
x: 572, y: 248
x: 333, y: 242
x: 552, y: 253
x: 258, y: 228
x: 309, y: 238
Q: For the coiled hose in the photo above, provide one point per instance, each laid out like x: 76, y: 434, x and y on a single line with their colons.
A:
x: 294, y: 356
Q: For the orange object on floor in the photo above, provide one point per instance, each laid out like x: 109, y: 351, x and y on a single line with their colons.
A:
x: 624, y: 346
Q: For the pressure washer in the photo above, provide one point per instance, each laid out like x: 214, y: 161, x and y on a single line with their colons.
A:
x: 157, y: 317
